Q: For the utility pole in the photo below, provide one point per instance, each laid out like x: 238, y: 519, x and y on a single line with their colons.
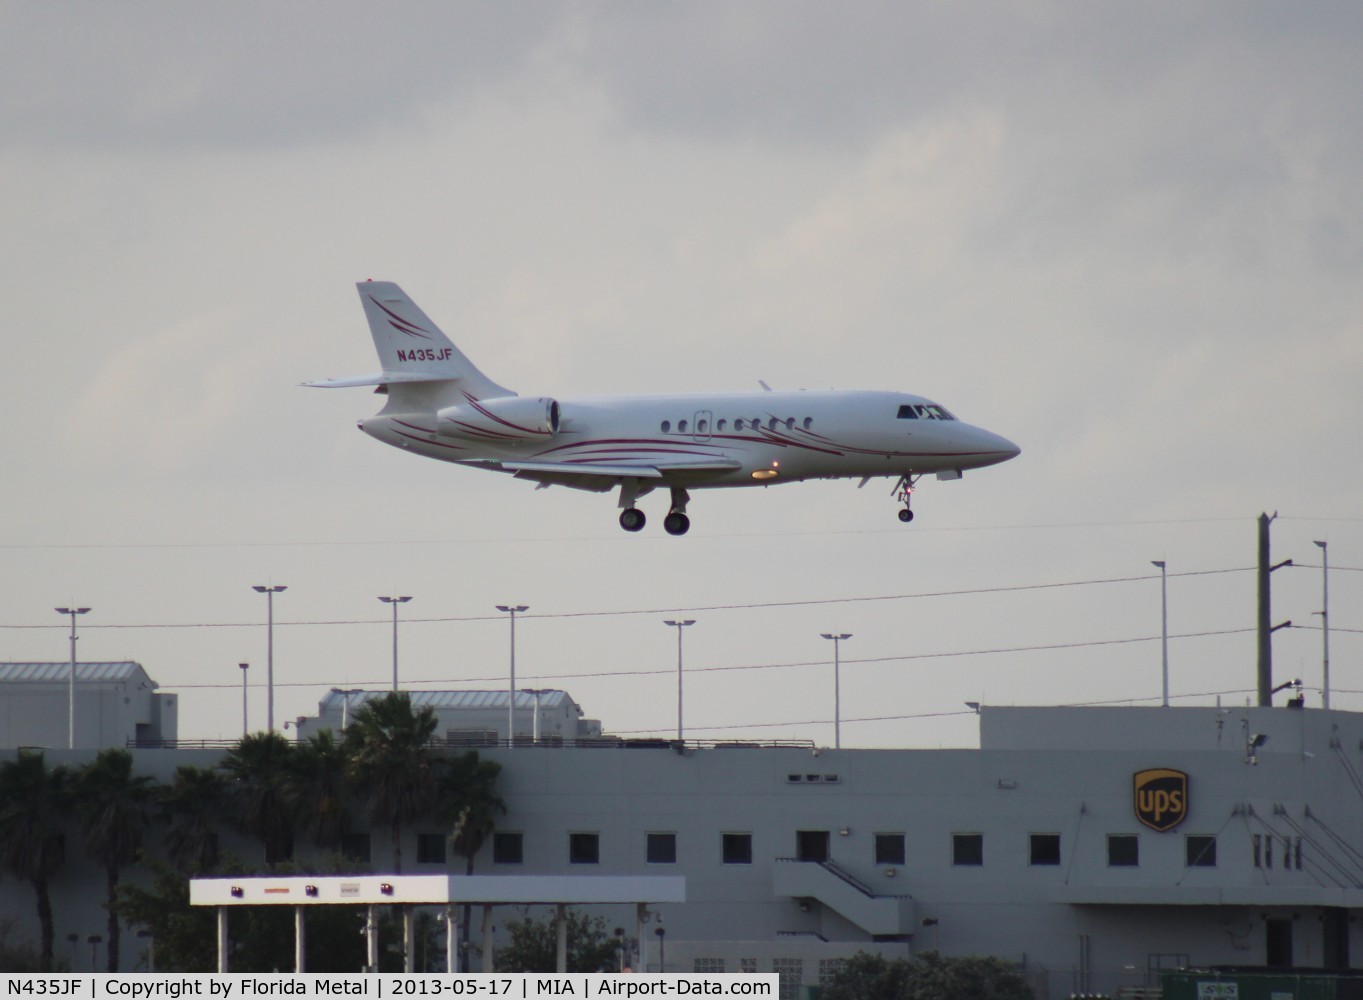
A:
x: 1265, y: 628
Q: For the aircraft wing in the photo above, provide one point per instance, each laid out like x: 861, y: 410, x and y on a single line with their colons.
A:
x: 602, y: 476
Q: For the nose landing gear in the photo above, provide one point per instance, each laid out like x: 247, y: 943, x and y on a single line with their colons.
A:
x: 903, y: 492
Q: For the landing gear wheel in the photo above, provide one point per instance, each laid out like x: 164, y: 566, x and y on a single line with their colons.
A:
x: 903, y: 492
x: 632, y: 519
x: 676, y: 523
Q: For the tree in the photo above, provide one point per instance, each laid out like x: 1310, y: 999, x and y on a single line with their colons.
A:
x: 189, y: 807
x: 470, y: 803
x: 258, y: 770
x: 534, y: 945
x: 391, y: 763
x: 33, y: 801
x: 318, y: 790
x: 938, y: 978
x: 928, y: 976
x: 111, y: 804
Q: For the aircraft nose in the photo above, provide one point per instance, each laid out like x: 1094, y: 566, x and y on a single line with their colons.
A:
x: 1000, y: 449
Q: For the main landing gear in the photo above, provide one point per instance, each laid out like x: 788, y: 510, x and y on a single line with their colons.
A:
x: 903, y: 492
x: 632, y: 518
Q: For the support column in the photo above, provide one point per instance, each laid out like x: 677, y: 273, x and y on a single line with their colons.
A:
x: 408, y: 940
x: 451, y: 938
x: 561, y: 932
x: 300, y: 945
x: 371, y: 938
x: 489, y: 965
x: 222, y: 939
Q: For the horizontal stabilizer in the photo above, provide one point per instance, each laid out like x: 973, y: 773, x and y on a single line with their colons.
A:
x: 377, y: 378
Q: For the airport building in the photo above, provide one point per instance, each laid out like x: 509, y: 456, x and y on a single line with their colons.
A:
x: 1090, y: 846
x: 114, y: 704
x: 471, y: 718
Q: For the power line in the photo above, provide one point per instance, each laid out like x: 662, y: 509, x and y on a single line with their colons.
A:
x: 751, y: 606
x: 900, y: 658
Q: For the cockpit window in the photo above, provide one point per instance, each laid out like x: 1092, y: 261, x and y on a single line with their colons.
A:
x: 922, y: 411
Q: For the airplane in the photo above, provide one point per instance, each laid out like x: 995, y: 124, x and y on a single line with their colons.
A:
x: 441, y: 406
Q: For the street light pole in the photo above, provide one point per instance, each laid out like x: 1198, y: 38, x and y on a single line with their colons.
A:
x: 1164, y: 626
x: 269, y: 593
x: 513, y: 610
x: 1325, y: 620
x: 679, y: 624
x: 395, y: 601
x: 245, y: 730
x: 71, y: 679
x: 837, y: 685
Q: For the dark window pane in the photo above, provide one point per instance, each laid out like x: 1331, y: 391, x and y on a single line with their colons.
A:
x: 967, y: 849
x: 889, y: 848
x: 737, y: 848
x: 1123, y: 851
x: 662, y: 848
x: 430, y: 848
x: 584, y: 849
x: 1045, y: 848
x: 507, y: 849
x: 1201, y: 851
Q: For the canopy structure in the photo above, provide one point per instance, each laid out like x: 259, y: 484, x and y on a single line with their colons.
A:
x: 450, y: 891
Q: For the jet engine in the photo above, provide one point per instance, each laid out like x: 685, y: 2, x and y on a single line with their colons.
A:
x: 502, y: 420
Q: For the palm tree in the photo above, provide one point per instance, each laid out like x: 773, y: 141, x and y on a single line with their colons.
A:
x: 317, y: 789
x: 258, y: 770
x: 111, y: 804
x: 189, y: 807
x: 32, y: 803
x: 469, y: 801
x: 391, y: 763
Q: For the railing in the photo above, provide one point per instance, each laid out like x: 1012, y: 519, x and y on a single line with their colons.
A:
x: 472, y: 742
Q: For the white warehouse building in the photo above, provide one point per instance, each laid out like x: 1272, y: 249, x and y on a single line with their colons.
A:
x: 1091, y: 846
x: 116, y: 704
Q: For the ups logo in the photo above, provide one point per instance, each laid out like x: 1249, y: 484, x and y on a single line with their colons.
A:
x: 1161, y: 798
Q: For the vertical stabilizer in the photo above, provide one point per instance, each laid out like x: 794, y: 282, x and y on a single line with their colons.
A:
x: 411, y: 348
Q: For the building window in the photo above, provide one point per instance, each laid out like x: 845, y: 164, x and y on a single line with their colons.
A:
x: 967, y: 849
x: 1045, y: 849
x: 584, y: 848
x: 508, y: 848
x: 355, y: 847
x: 737, y: 848
x: 430, y: 848
x: 662, y: 849
x: 889, y: 848
x: 1123, y: 850
x: 708, y: 965
x: 1200, y: 851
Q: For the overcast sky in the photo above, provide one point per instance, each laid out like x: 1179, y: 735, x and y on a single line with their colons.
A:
x: 1128, y: 237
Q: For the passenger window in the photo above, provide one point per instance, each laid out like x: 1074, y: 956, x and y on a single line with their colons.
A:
x: 666, y: 426
x: 771, y: 423
x: 702, y: 426
x: 681, y: 426
x: 790, y: 423
x: 809, y: 422
x: 720, y: 426
x: 906, y: 412
x: 738, y: 424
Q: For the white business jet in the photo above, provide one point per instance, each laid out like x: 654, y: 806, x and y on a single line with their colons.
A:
x: 441, y: 406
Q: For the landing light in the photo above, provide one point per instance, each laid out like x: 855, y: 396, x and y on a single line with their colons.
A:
x: 765, y: 474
